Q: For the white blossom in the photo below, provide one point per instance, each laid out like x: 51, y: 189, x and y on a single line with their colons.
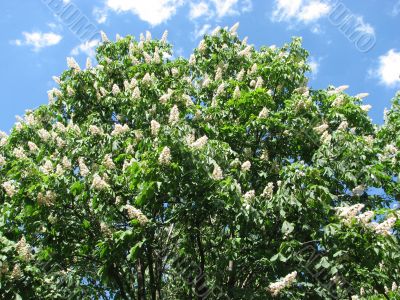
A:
x: 56, y: 79
x: 83, y: 169
x: 220, y: 89
x: 206, y: 81
x: 47, y: 167
x: 199, y: 143
x: 246, y: 166
x: 366, y: 107
x: 10, y: 187
x: 218, y: 74
x: 321, y: 128
x: 276, y: 287
x: 249, y: 196
x: 66, y: 163
x: 217, y: 173
x: 246, y: 52
x: 108, y: 162
x: 202, y: 46
x: 72, y: 64
x: 2, y: 160
x: 155, y: 127
x: 259, y: 83
x: 234, y: 28
x: 192, y: 60
x: 99, y: 183
x: 46, y: 199
x: 268, y: 191
x: 120, y: 129
x: 70, y: 91
x: 88, y: 63
x: 385, y: 227
x: 365, y: 217
x: 23, y: 249
x: 134, y: 213
x: 240, y: 75
x: 347, y: 213
x: 253, y: 69
x: 148, y: 36
x: 136, y: 93
x: 236, y: 93
x: 263, y: 113
x: 147, y: 80
x: 19, y: 153
x: 104, y: 37
x: 343, y: 125
x: 115, y: 90
x: 361, y: 95
x: 174, y: 115
x: 94, y: 130
x: 164, y: 37
x: 165, y: 156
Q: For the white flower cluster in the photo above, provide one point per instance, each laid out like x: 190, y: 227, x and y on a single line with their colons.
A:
x: 23, y: 249
x: 268, y: 191
x: 347, y: 213
x: 174, y: 115
x: 385, y: 227
x: 108, y: 162
x: 338, y: 90
x: 72, y: 64
x: 47, y: 167
x: 276, y: 287
x: 199, y: 143
x: 155, y: 127
x: 263, y: 113
x: 19, y: 153
x: 99, y: 183
x: 83, y: 169
x: 10, y: 188
x: 94, y: 130
x: 321, y: 128
x: 44, y: 135
x: 2, y: 160
x: 165, y: 156
x: 120, y: 129
x: 46, y: 199
x: 217, y: 173
x: 134, y: 213
x: 166, y: 97
x: 246, y: 166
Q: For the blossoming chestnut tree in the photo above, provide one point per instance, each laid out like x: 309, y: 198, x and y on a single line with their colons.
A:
x: 223, y: 176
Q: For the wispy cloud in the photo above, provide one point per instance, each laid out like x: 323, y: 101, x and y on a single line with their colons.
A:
x: 388, y: 70
x: 38, y: 40
x: 154, y: 12
x: 199, y: 9
x: 199, y: 32
x: 305, y: 11
x: 88, y: 48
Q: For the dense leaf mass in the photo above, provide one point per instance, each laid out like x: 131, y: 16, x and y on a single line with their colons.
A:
x: 219, y: 177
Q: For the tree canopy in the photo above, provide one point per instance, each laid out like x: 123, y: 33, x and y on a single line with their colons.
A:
x: 221, y: 176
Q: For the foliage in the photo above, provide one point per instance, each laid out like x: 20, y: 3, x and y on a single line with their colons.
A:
x: 222, y: 177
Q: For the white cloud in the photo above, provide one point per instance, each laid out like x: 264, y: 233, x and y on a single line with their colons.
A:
x: 198, y: 10
x: 38, y: 40
x: 314, y: 65
x: 100, y: 14
x: 199, y: 32
x: 300, y: 10
x: 154, y: 12
x: 225, y: 7
x: 313, y: 11
x: 88, y: 48
x: 364, y: 27
x: 389, y: 68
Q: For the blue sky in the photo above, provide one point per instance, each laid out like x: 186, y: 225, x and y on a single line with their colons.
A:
x: 350, y: 42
